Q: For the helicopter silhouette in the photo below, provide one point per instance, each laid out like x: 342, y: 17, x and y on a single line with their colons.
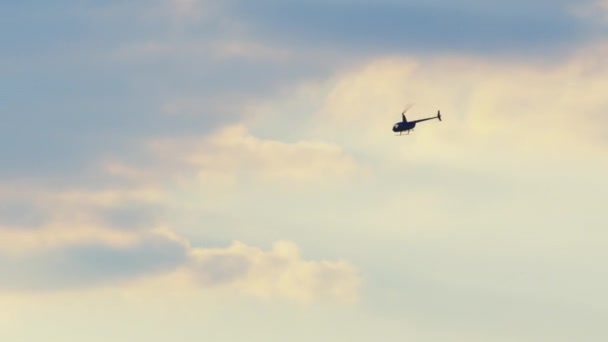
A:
x: 407, y: 126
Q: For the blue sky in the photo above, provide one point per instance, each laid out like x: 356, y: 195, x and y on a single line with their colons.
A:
x: 226, y: 171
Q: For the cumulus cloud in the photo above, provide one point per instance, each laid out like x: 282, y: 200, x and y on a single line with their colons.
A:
x: 238, y: 269
x: 90, y: 238
x: 233, y: 152
x: 87, y: 239
x: 278, y: 272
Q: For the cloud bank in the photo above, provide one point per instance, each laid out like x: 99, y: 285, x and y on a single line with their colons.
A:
x: 238, y: 269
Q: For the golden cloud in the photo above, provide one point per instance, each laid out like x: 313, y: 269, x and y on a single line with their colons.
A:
x: 233, y: 152
x: 279, y: 272
x: 159, y: 256
x: 522, y: 108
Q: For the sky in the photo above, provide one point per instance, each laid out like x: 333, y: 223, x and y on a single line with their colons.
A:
x: 226, y: 170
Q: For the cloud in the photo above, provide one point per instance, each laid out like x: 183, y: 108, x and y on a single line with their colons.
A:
x: 20, y: 214
x: 279, y: 272
x: 86, y: 264
x: 187, y: 7
x: 596, y: 11
x: 103, y: 100
x: 119, y: 207
x: 390, y: 26
x: 238, y: 269
x: 131, y: 215
x: 91, y: 239
x: 234, y: 153
x: 485, y: 108
x: 97, y: 238
x: 110, y: 87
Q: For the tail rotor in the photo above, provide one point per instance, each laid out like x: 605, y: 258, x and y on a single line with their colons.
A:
x: 439, y: 115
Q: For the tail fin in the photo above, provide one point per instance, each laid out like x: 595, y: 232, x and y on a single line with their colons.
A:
x: 439, y: 115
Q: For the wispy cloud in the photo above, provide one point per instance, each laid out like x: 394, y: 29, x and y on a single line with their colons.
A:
x: 416, y: 26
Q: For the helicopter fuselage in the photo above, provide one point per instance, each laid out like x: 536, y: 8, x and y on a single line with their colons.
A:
x: 403, y: 126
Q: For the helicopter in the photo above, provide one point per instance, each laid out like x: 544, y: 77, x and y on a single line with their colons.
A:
x: 407, y: 126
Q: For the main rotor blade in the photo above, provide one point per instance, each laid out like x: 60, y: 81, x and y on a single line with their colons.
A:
x: 407, y: 108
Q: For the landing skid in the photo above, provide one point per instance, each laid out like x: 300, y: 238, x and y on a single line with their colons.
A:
x: 406, y: 133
